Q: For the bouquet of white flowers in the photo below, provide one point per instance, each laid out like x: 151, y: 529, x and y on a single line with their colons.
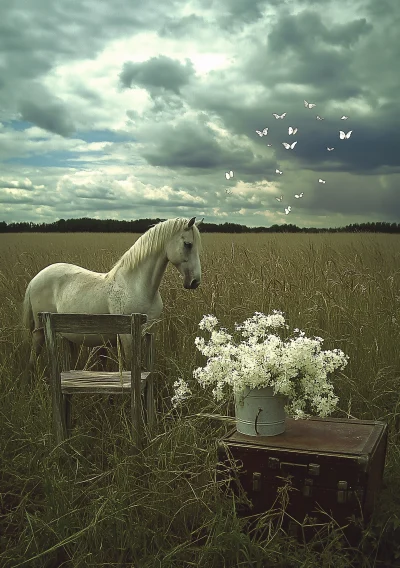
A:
x: 295, y: 368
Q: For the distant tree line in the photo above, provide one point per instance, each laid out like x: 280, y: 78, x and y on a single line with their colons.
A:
x: 87, y: 225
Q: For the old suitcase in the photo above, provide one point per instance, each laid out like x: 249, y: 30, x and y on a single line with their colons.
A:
x: 332, y: 464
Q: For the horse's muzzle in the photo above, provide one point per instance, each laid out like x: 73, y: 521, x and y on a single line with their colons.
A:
x: 193, y: 285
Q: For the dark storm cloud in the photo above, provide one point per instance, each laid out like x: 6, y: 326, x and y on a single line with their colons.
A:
x: 52, y: 117
x: 193, y: 145
x: 305, y: 30
x: 188, y: 145
x: 157, y: 73
x: 307, y: 52
x: 16, y: 199
x: 173, y: 27
x: 95, y: 193
x: 16, y: 185
x: 383, y: 9
x: 233, y: 13
x: 61, y: 30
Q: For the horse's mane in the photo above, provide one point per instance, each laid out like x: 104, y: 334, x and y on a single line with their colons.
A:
x: 152, y: 241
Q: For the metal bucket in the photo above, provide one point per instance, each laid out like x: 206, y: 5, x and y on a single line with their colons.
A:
x: 259, y: 412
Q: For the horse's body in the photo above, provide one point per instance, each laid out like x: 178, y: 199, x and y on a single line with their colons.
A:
x: 131, y: 286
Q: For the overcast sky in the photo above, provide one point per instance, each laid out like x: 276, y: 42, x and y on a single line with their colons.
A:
x: 129, y: 109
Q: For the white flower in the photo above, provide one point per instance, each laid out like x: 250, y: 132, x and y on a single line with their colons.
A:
x: 295, y: 368
x: 208, y: 322
x: 182, y: 391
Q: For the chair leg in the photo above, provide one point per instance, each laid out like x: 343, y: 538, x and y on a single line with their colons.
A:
x: 150, y: 403
x: 67, y: 412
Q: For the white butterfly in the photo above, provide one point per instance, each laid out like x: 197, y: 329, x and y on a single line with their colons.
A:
x: 278, y: 172
x: 309, y: 105
x: 344, y: 117
x: 228, y: 192
x: 329, y: 149
x: 287, y: 210
x: 320, y: 117
x: 321, y: 180
x: 292, y: 130
x: 279, y: 116
x: 279, y: 198
x: 229, y: 175
x: 269, y: 144
x: 298, y: 196
x: 343, y: 135
x: 289, y: 146
x: 262, y: 132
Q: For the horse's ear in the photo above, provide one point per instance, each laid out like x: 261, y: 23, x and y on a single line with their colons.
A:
x: 199, y: 222
x: 191, y: 222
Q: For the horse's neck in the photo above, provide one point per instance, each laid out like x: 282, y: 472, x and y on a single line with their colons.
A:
x: 146, y: 276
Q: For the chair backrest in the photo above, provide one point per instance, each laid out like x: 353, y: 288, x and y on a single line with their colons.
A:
x: 92, y: 323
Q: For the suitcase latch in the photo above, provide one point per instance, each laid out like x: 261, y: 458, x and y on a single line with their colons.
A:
x: 307, y: 488
x: 342, y: 492
x: 273, y: 463
x: 256, y: 481
x: 313, y: 469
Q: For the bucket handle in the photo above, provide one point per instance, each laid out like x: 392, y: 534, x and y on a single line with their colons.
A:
x: 255, y: 421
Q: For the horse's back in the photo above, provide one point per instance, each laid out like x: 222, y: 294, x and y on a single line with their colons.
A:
x: 63, y: 270
x: 67, y: 288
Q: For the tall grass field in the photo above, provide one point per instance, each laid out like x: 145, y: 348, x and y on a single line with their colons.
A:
x: 93, y: 502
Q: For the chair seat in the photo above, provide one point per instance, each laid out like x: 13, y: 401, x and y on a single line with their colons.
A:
x: 94, y: 382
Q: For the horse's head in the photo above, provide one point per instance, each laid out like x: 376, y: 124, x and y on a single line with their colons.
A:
x: 183, y: 252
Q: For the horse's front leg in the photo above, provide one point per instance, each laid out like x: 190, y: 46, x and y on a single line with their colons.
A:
x: 126, y: 343
x: 137, y: 410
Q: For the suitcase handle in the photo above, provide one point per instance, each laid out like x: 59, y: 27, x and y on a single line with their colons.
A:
x: 313, y: 468
x: 287, y: 466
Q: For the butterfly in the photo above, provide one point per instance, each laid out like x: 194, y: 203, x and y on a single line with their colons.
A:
x: 269, y: 144
x: 287, y: 210
x: 279, y: 116
x: 229, y: 175
x: 320, y: 117
x: 309, y: 105
x: 298, y: 196
x: 321, y: 180
x: 263, y: 132
x: 343, y: 135
x: 344, y: 117
x: 289, y: 146
x: 228, y: 192
x: 292, y: 130
x: 278, y: 172
x: 329, y: 149
x: 279, y: 198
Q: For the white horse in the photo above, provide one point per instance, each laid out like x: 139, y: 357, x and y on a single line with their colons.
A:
x: 131, y: 286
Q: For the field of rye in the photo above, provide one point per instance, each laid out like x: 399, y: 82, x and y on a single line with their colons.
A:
x: 92, y: 502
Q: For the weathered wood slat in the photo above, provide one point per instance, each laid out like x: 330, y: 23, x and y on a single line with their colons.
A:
x: 149, y: 364
x: 137, y: 416
x: 96, y: 324
x: 97, y: 382
x: 59, y: 418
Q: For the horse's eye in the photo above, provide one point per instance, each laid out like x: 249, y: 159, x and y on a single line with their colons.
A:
x: 188, y: 245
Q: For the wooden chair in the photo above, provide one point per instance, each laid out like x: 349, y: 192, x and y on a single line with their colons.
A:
x: 135, y: 382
